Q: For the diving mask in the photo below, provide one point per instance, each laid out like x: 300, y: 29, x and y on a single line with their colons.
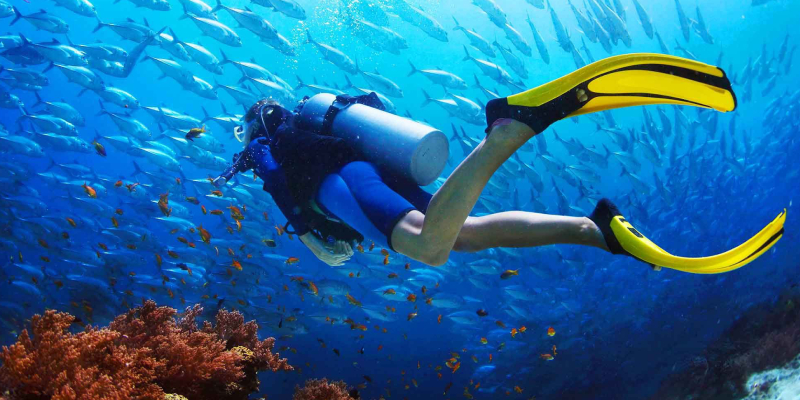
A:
x: 245, y: 131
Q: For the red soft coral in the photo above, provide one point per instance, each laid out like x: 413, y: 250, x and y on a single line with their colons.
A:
x: 142, y: 354
x: 322, y: 389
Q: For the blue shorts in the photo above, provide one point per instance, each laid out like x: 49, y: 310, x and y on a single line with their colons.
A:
x: 369, y: 201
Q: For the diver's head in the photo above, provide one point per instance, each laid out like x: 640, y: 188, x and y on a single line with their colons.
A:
x: 261, y: 120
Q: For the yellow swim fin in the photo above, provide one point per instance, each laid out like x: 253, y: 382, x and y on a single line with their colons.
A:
x: 622, y: 238
x: 616, y: 82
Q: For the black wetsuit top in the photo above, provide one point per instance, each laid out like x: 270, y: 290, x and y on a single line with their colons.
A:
x: 292, y: 165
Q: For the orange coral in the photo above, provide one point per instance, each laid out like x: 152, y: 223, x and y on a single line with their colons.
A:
x: 322, y: 389
x: 143, y: 354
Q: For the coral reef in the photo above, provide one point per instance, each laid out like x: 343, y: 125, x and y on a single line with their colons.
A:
x: 765, y: 337
x: 322, y: 389
x: 779, y: 383
x: 144, y: 354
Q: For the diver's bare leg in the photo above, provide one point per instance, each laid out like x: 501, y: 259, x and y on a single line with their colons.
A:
x: 527, y: 229
x: 449, y: 208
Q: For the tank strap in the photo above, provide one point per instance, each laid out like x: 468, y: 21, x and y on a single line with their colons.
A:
x: 343, y: 101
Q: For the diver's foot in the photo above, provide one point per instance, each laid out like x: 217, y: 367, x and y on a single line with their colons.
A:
x: 594, y: 236
x: 603, y: 214
x: 536, y: 118
x: 506, y: 131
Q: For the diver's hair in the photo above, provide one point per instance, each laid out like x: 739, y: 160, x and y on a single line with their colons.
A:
x: 251, y: 113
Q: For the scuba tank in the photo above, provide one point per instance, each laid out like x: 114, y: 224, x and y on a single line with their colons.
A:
x: 404, y: 147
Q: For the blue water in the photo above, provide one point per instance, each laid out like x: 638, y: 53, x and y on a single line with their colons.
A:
x: 620, y: 327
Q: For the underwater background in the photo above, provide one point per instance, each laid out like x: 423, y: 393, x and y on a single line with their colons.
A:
x: 694, y: 181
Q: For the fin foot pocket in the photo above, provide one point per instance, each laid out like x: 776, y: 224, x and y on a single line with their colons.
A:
x: 603, y: 214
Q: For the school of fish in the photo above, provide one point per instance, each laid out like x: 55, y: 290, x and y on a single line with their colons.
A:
x: 117, y: 115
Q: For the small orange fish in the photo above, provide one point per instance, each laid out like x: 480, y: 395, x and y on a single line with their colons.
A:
x: 484, y: 340
x: 500, y: 323
x: 89, y: 190
x: 509, y: 273
x: 203, y: 209
x: 392, y: 275
x: 114, y: 222
x: 158, y: 259
x: 490, y: 357
x: 204, y: 235
x: 217, y: 193
x: 523, y: 329
x: 237, y: 265
x: 407, y: 266
x: 43, y: 244
x: 551, y: 331
x: 412, y: 316
x: 71, y: 222
x: 517, y: 389
x: 119, y: 211
x: 412, y: 297
x: 386, y: 260
x: 313, y: 288
x: 279, y: 230
x: 216, y: 212
x: 131, y: 246
x: 353, y: 300
x: 292, y: 260
x: 193, y: 200
x: 513, y: 332
x: 456, y: 367
x: 546, y: 357
x: 266, y: 216
x: 389, y: 291
x: 554, y: 350
x: 194, y: 133
x: 236, y: 213
x: 103, y: 246
x: 172, y: 254
x: 360, y: 248
x: 118, y: 184
x: 385, y: 252
x: 439, y: 319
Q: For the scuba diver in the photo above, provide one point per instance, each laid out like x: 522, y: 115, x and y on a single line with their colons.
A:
x: 334, y: 193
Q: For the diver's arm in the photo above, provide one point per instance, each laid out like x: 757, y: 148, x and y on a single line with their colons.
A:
x: 241, y: 164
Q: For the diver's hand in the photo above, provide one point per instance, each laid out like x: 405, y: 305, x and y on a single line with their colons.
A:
x: 334, y: 258
x: 342, y: 247
x: 219, y: 181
